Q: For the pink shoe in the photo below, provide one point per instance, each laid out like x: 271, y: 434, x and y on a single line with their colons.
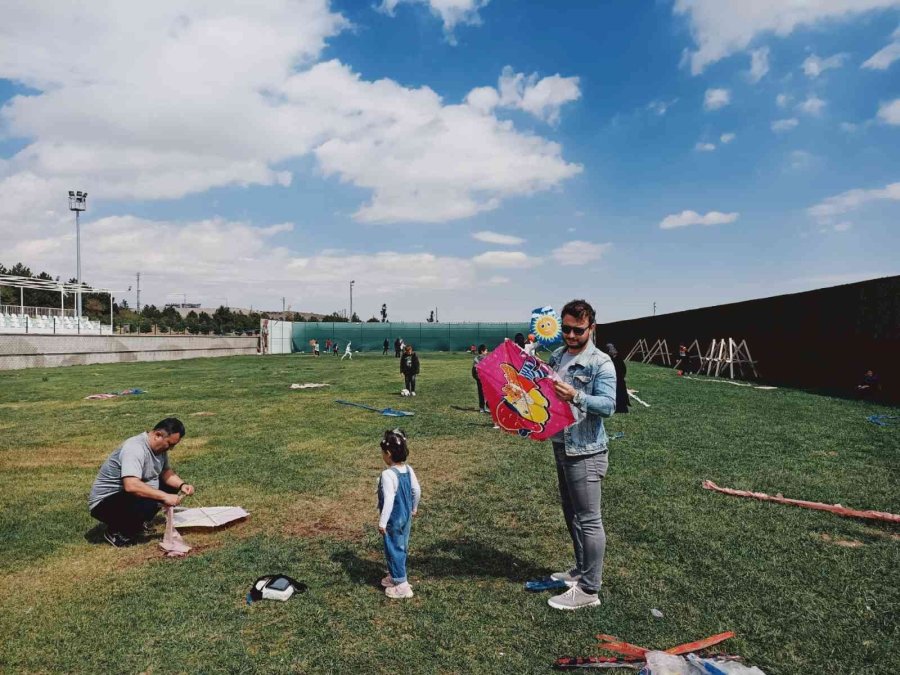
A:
x: 387, y: 582
x: 399, y: 591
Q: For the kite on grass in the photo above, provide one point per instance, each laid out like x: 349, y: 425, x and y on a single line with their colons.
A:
x: 546, y: 326
x: 519, y: 390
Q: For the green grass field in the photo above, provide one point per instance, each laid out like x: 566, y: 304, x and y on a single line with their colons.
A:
x: 805, y: 591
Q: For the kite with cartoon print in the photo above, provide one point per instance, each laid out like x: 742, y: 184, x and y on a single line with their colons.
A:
x: 520, y: 394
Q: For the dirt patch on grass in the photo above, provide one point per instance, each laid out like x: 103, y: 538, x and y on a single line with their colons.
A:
x: 838, y: 541
x: 80, y: 457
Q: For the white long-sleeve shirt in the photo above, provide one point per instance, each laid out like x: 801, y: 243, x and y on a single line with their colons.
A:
x: 389, y: 486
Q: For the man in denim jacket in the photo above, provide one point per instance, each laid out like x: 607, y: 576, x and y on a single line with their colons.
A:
x: 588, y: 383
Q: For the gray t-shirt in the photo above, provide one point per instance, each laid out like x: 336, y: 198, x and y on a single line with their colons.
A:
x: 133, y: 458
x: 562, y: 368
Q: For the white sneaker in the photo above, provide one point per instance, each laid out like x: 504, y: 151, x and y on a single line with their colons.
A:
x: 403, y: 590
x: 571, y: 577
x: 412, y: 393
x: 387, y: 582
x: 574, y: 598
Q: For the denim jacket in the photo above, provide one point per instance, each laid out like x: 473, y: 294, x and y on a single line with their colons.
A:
x: 594, y: 377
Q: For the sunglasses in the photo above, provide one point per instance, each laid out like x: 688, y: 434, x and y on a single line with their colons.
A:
x: 574, y: 329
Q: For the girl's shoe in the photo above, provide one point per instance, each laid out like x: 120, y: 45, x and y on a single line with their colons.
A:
x: 399, y: 591
x: 387, y: 582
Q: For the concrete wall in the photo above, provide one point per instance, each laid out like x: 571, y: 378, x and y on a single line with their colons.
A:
x: 37, y: 351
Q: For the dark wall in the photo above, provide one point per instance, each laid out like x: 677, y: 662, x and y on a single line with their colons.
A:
x: 823, y: 339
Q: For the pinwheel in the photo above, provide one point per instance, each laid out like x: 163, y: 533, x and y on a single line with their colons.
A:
x: 546, y: 326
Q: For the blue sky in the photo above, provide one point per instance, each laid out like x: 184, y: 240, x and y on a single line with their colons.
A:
x: 482, y: 157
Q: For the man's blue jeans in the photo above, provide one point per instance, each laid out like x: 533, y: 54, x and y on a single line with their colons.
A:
x: 580, y: 481
x: 396, y: 546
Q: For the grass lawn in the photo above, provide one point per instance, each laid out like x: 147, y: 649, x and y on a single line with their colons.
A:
x: 805, y: 591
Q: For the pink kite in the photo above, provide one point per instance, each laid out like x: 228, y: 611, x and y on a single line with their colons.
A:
x: 519, y: 391
x: 172, y: 543
x: 818, y: 506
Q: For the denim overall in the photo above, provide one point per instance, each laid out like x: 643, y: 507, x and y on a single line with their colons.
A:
x: 396, y: 537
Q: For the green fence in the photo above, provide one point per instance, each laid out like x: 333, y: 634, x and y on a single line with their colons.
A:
x: 425, y: 337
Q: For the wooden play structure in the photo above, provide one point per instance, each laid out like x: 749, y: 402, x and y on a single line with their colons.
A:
x: 726, y: 355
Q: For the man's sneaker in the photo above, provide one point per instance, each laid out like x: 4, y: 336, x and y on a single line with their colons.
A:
x: 148, y: 527
x: 387, y: 582
x: 399, y: 591
x: 571, y: 577
x: 574, y: 598
x: 412, y: 393
x: 117, y: 539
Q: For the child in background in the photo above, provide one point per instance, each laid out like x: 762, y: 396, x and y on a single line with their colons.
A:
x: 409, y: 368
x: 479, y: 357
x: 398, y: 502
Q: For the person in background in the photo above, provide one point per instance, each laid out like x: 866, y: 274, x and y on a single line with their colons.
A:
x: 519, y: 339
x: 386, y: 347
x: 479, y: 357
x: 870, y: 385
x: 530, y: 345
x: 622, y: 399
x: 397, y: 348
x: 409, y: 366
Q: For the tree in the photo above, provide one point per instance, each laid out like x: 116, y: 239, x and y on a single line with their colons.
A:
x: 384, y: 313
x: 373, y: 320
x: 355, y: 318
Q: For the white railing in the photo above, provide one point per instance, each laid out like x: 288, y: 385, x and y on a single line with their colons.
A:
x: 36, y: 311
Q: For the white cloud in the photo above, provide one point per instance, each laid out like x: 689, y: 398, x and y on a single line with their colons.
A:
x: 720, y: 28
x: 579, y: 252
x: 851, y: 200
x: 716, y: 98
x: 889, y: 112
x: 165, y: 100
x: 801, y: 159
x: 759, y: 64
x: 212, y: 257
x: 661, y: 107
x: 884, y: 57
x: 542, y: 98
x: 451, y: 12
x: 498, y: 280
x: 505, y: 259
x: 704, y: 147
x: 842, y: 226
x: 782, y: 100
x: 849, y: 127
x: 686, y: 218
x: 813, y: 105
x: 779, y: 126
x: 497, y: 238
x: 814, y: 66
x: 727, y: 138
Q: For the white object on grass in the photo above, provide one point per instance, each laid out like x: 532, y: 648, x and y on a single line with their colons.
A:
x: 643, y: 403
x: 309, y: 385
x: 210, y: 516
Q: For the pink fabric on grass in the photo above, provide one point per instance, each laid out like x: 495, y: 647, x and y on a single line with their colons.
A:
x: 172, y: 542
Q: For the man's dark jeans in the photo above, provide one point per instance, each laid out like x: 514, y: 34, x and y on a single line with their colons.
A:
x: 125, y: 513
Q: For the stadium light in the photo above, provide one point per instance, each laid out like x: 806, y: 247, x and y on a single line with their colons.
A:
x: 351, y: 300
x: 78, y: 203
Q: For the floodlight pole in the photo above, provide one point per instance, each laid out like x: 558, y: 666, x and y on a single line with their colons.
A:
x: 351, y: 300
x: 78, y: 203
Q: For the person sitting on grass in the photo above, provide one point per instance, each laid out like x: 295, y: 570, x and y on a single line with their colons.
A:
x: 409, y: 367
x: 398, y: 501
x: 482, y: 353
x: 136, y: 481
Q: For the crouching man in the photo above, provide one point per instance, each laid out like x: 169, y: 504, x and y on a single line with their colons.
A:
x: 136, y: 481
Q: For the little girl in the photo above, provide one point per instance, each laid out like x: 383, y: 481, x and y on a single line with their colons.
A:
x: 398, y: 501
